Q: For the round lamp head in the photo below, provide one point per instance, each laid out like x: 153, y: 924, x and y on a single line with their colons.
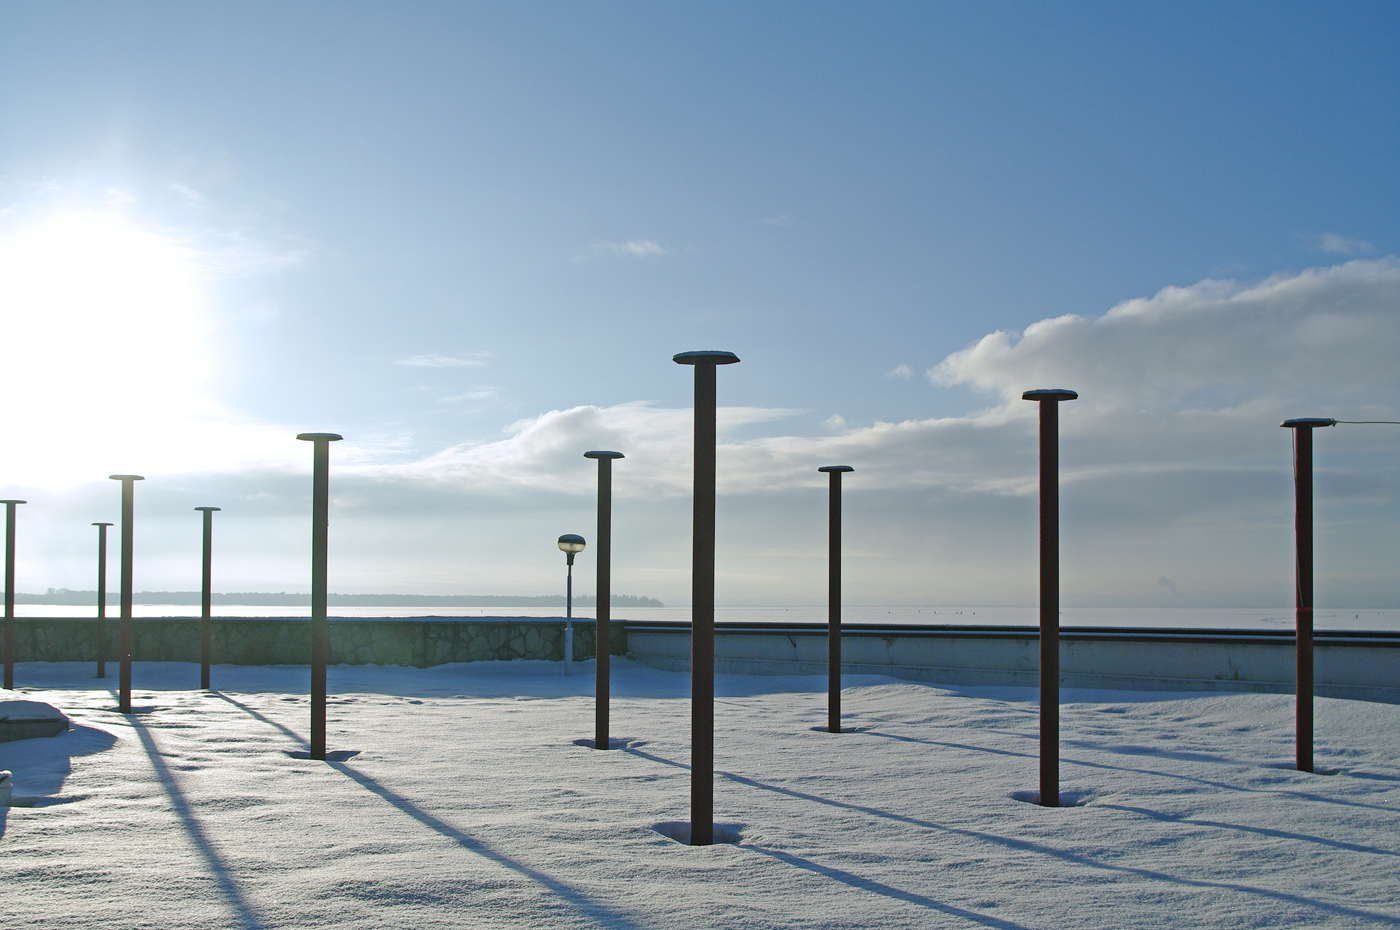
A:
x: 571, y: 543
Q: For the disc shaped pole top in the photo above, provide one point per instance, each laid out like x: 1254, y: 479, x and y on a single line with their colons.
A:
x: 209, y: 509
x: 705, y: 357
x: 1050, y: 394
x: 603, y: 455
x: 313, y: 437
x: 830, y: 468
x: 127, y: 477
x: 1308, y: 422
x: 14, y: 502
x: 104, y: 524
x: 571, y: 543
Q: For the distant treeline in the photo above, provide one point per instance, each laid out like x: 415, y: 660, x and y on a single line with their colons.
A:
x: 282, y: 599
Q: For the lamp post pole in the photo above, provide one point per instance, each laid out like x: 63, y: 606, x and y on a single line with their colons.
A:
x: 320, y: 631
x: 102, y: 599
x: 1049, y: 401
x: 602, y: 637
x: 124, y: 629
x: 702, y: 598
x: 1303, y: 590
x: 571, y: 544
x: 10, y: 592
x: 205, y: 631
x: 833, y: 603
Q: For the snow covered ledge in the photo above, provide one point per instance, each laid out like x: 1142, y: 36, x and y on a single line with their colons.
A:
x: 29, y: 719
x: 1358, y: 665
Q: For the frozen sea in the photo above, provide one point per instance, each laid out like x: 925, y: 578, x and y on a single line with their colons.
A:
x: 1237, y: 618
x: 461, y: 796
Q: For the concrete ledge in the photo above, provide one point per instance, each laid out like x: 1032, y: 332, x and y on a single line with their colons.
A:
x: 1361, y: 666
x: 30, y: 720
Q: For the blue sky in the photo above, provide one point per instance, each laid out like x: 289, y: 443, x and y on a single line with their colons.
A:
x: 470, y: 237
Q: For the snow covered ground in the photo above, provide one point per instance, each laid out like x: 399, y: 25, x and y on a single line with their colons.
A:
x: 460, y: 797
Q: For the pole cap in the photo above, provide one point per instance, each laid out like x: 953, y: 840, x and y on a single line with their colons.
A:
x: 836, y: 468
x: 127, y: 477
x: 209, y: 509
x: 603, y: 455
x: 312, y: 437
x: 14, y: 502
x: 1308, y: 422
x: 705, y: 357
x: 1050, y: 394
x: 104, y: 524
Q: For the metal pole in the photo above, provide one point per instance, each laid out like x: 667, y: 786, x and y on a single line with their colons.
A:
x: 602, y: 645
x: 205, y: 597
x: 102, y: 599
x: 702, y: 599
x: 569, y: 621
x: 1303, y: 531
x: 833, y: 601
x: 10, y: 593
x: 124, y: 630
x: 320, y: 631
x: 1049, y: 590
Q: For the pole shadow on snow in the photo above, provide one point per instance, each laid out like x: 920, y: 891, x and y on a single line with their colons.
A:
x: 605, y: 916
x: 1162, y: 817
x: 1030, y: 846
x: 220, y: 871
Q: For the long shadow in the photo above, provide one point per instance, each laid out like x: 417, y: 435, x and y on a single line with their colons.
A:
x: 221, y: 873
x: 866, y: 884
x: 1194, y: 779
x: 605, y: 916
x: 1029, y: 846
x: 1261, y: 831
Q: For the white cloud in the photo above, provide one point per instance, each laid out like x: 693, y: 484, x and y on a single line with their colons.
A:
x: 632, y: 248
x: 445, y: 361
x: 1341, y: 245
x: 902, y: 372
x: 478, y: 394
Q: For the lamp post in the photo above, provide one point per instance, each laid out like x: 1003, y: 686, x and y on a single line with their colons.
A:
x: 833, y: 608
x: 102, y: 599
x: 702, y: 598
x: 1049, y: 401
x: 205, y: 633
x: 10, y: 592
x: 124, y: 629
x: 571, y: 544
x: 320, y: 632
x: 602, y: 636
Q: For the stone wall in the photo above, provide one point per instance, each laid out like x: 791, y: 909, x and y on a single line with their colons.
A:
x: 419, y: 641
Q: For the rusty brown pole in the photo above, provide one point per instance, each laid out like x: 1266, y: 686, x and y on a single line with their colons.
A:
x: 702, y: 598
x: 833, y: 601
x: 1303, y: 532
x: 124, y: 630
x: 205, y: 598
x: 102, y: 599
x: 1049, y: 401
x: 10, y: 593
x: 320, y: 630
x: 602, y: 645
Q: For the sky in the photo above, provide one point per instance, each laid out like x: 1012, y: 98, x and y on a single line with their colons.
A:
x: 470, y: 237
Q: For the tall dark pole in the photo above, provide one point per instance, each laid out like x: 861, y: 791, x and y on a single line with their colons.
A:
x: 1049, y: 401
x: 833, y: 599
x: 10, y: 593
x: 124, y: 630
x: 1303, y: 530
x: 102, y: 599
x: 205, y: 633
x: 702, y: 599
x: 320, y: 631
x: 602, y: 647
